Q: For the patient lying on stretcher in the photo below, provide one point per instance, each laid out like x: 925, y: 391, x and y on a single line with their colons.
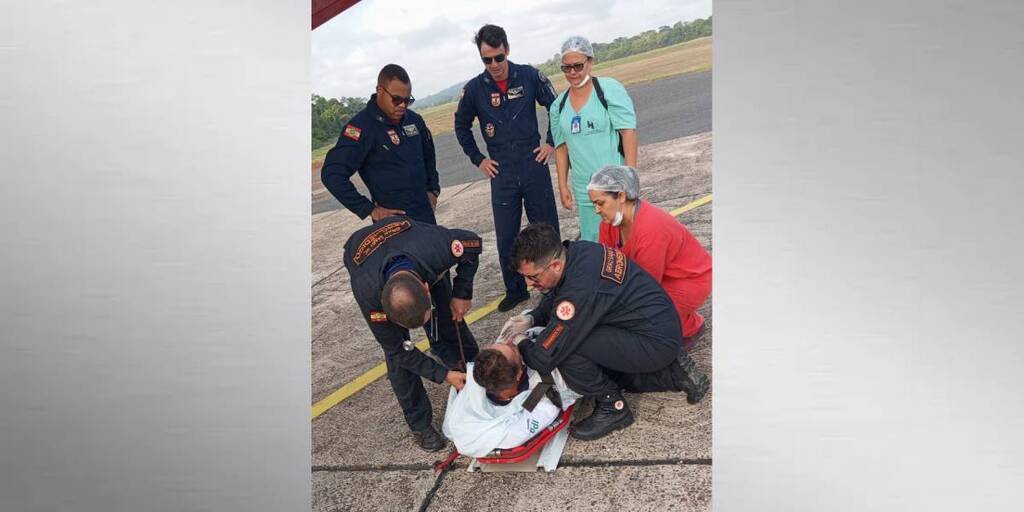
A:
x: 489, y: 412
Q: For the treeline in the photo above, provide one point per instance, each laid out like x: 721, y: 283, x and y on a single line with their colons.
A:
x: 328, y: 114
x: 643, y: 42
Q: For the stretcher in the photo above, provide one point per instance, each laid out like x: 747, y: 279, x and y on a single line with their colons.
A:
x: 548, y: 445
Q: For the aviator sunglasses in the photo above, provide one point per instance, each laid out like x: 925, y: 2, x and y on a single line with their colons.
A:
x: 497, y: 58
x: 398, y: 100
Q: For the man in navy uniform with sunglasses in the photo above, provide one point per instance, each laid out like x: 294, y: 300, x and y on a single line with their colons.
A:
x: 503, y: 99
x: 393, y: 152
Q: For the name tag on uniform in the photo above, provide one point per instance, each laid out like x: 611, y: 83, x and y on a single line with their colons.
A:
x: 574, y: 127
x: 411, y: 130
x: 515, y: 93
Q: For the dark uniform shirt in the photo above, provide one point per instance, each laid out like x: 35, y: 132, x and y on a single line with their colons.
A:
x: 599, y: 286
x: 395, y: 161
x: 508, y: 121
x: 432, y: 250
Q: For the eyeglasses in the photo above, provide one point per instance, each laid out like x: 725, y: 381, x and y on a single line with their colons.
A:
x: 497, y: 58
x: 577, y: 67
x: 398, y: 100
x: 536, y: 277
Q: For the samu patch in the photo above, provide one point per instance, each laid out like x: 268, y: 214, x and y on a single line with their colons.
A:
x: 553, y: 336
x: 373, y: 241
x: 614, y: 267
x: 352, y: 132
x: 565, y: 310
x: 457, y: 248
x: 378, y: 317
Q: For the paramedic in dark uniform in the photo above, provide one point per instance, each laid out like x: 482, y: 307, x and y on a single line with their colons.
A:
x: 503, y: 99
x: 396, y: 264
x: 609, y: 326
x: 393, y: 152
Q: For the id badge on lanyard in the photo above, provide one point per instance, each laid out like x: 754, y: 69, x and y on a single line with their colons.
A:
x: 574, y: 127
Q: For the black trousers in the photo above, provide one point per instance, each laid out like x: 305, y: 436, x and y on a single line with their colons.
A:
x: 408, y: 386
x: 611, y: 359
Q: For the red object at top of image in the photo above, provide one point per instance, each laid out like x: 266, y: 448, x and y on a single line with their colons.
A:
x: 324, y: 10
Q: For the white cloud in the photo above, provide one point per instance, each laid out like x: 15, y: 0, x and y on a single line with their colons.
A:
x: 433, y: 40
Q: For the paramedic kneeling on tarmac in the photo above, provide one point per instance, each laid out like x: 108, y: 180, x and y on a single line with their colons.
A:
x: 398, y: 267
x: 609, y: 326
x: 504, y: 404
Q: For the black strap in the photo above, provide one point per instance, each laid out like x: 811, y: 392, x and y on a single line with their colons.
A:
x: 604, y: 103
x: 545, y: 388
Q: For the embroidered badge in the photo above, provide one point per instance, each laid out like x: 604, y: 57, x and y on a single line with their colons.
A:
x: 378, y: 317
x: 380, y: 235
x: 614, y: 267
x: 489, y: 129
x: 515, y: 93
x: 619, y: 405
x: 565, y: 310
x: 352, y: 132
x: 411, y: 130
x: 472, y: 243
x: 495, y: 99
x: 394, y: 137
x: 457, y: 248
x: 553, y: 335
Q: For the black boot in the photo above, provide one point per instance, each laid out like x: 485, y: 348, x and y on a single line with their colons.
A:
x: 511, y: 301
x: 691, y: 380
x: 610, y: 413
x: 429, y: 439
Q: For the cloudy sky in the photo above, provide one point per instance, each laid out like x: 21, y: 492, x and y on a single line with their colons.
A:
x: 432, y: 40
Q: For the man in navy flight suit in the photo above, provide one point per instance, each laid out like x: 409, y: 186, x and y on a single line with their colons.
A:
x: 392, y: 263
x: 393, y: 152
x: 503, y: 99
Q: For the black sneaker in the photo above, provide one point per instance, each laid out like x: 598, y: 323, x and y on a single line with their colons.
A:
x: 511, y: 301
x: 429, y: 439
x: 695, y: 383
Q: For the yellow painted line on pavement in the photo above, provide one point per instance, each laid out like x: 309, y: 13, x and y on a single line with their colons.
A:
x: 378, y: 371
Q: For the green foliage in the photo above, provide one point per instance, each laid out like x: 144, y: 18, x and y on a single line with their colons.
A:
x: 328, y: 116
x: 643, y: 42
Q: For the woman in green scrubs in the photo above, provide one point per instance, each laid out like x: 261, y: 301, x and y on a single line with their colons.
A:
x: 587, y: 133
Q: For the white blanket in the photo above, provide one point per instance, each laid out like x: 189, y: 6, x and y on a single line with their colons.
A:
x: 477, y: 425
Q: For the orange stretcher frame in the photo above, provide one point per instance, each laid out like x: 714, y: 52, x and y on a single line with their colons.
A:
x: 519, y: 453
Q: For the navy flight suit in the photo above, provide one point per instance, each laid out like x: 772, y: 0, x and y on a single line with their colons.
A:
x: 431, y: 250
x: 609, y: 325
x: 395, y: 161
x: 508, y: 124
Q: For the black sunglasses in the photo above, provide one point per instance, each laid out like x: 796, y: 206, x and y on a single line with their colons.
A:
x: 577, y: 67
x: 497, y: 58
x: 398, y: 100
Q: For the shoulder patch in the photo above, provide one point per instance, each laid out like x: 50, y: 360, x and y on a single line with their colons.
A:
x: 614, y: 267
x: 553, y: 336
x: 473, y: 245
x: 352, y: 132
x: 378, y: 317
x: 457, y: 248
x: 565, y: 310
x: 373, y: 241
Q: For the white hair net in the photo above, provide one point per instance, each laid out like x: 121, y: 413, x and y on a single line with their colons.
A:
x: 578, y: 44
x: 615, y: 179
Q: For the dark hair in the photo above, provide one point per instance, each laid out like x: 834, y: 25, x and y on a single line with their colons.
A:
x: 536, y: 243
x: 493, y: 35
x: 392, y: 72
x: 404, y: 300
x: 494, y: 371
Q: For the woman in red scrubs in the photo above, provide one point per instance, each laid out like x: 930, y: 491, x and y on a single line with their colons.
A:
x: 656, y: 241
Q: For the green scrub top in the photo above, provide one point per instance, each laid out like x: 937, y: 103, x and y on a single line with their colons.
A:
x: 594, y: 144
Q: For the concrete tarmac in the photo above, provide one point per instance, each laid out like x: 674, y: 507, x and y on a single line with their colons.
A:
x: 363, y: 455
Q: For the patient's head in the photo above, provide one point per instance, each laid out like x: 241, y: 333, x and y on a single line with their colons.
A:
x: 497, y: 368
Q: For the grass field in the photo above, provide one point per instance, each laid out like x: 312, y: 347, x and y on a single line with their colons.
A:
x: 689, y: 57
